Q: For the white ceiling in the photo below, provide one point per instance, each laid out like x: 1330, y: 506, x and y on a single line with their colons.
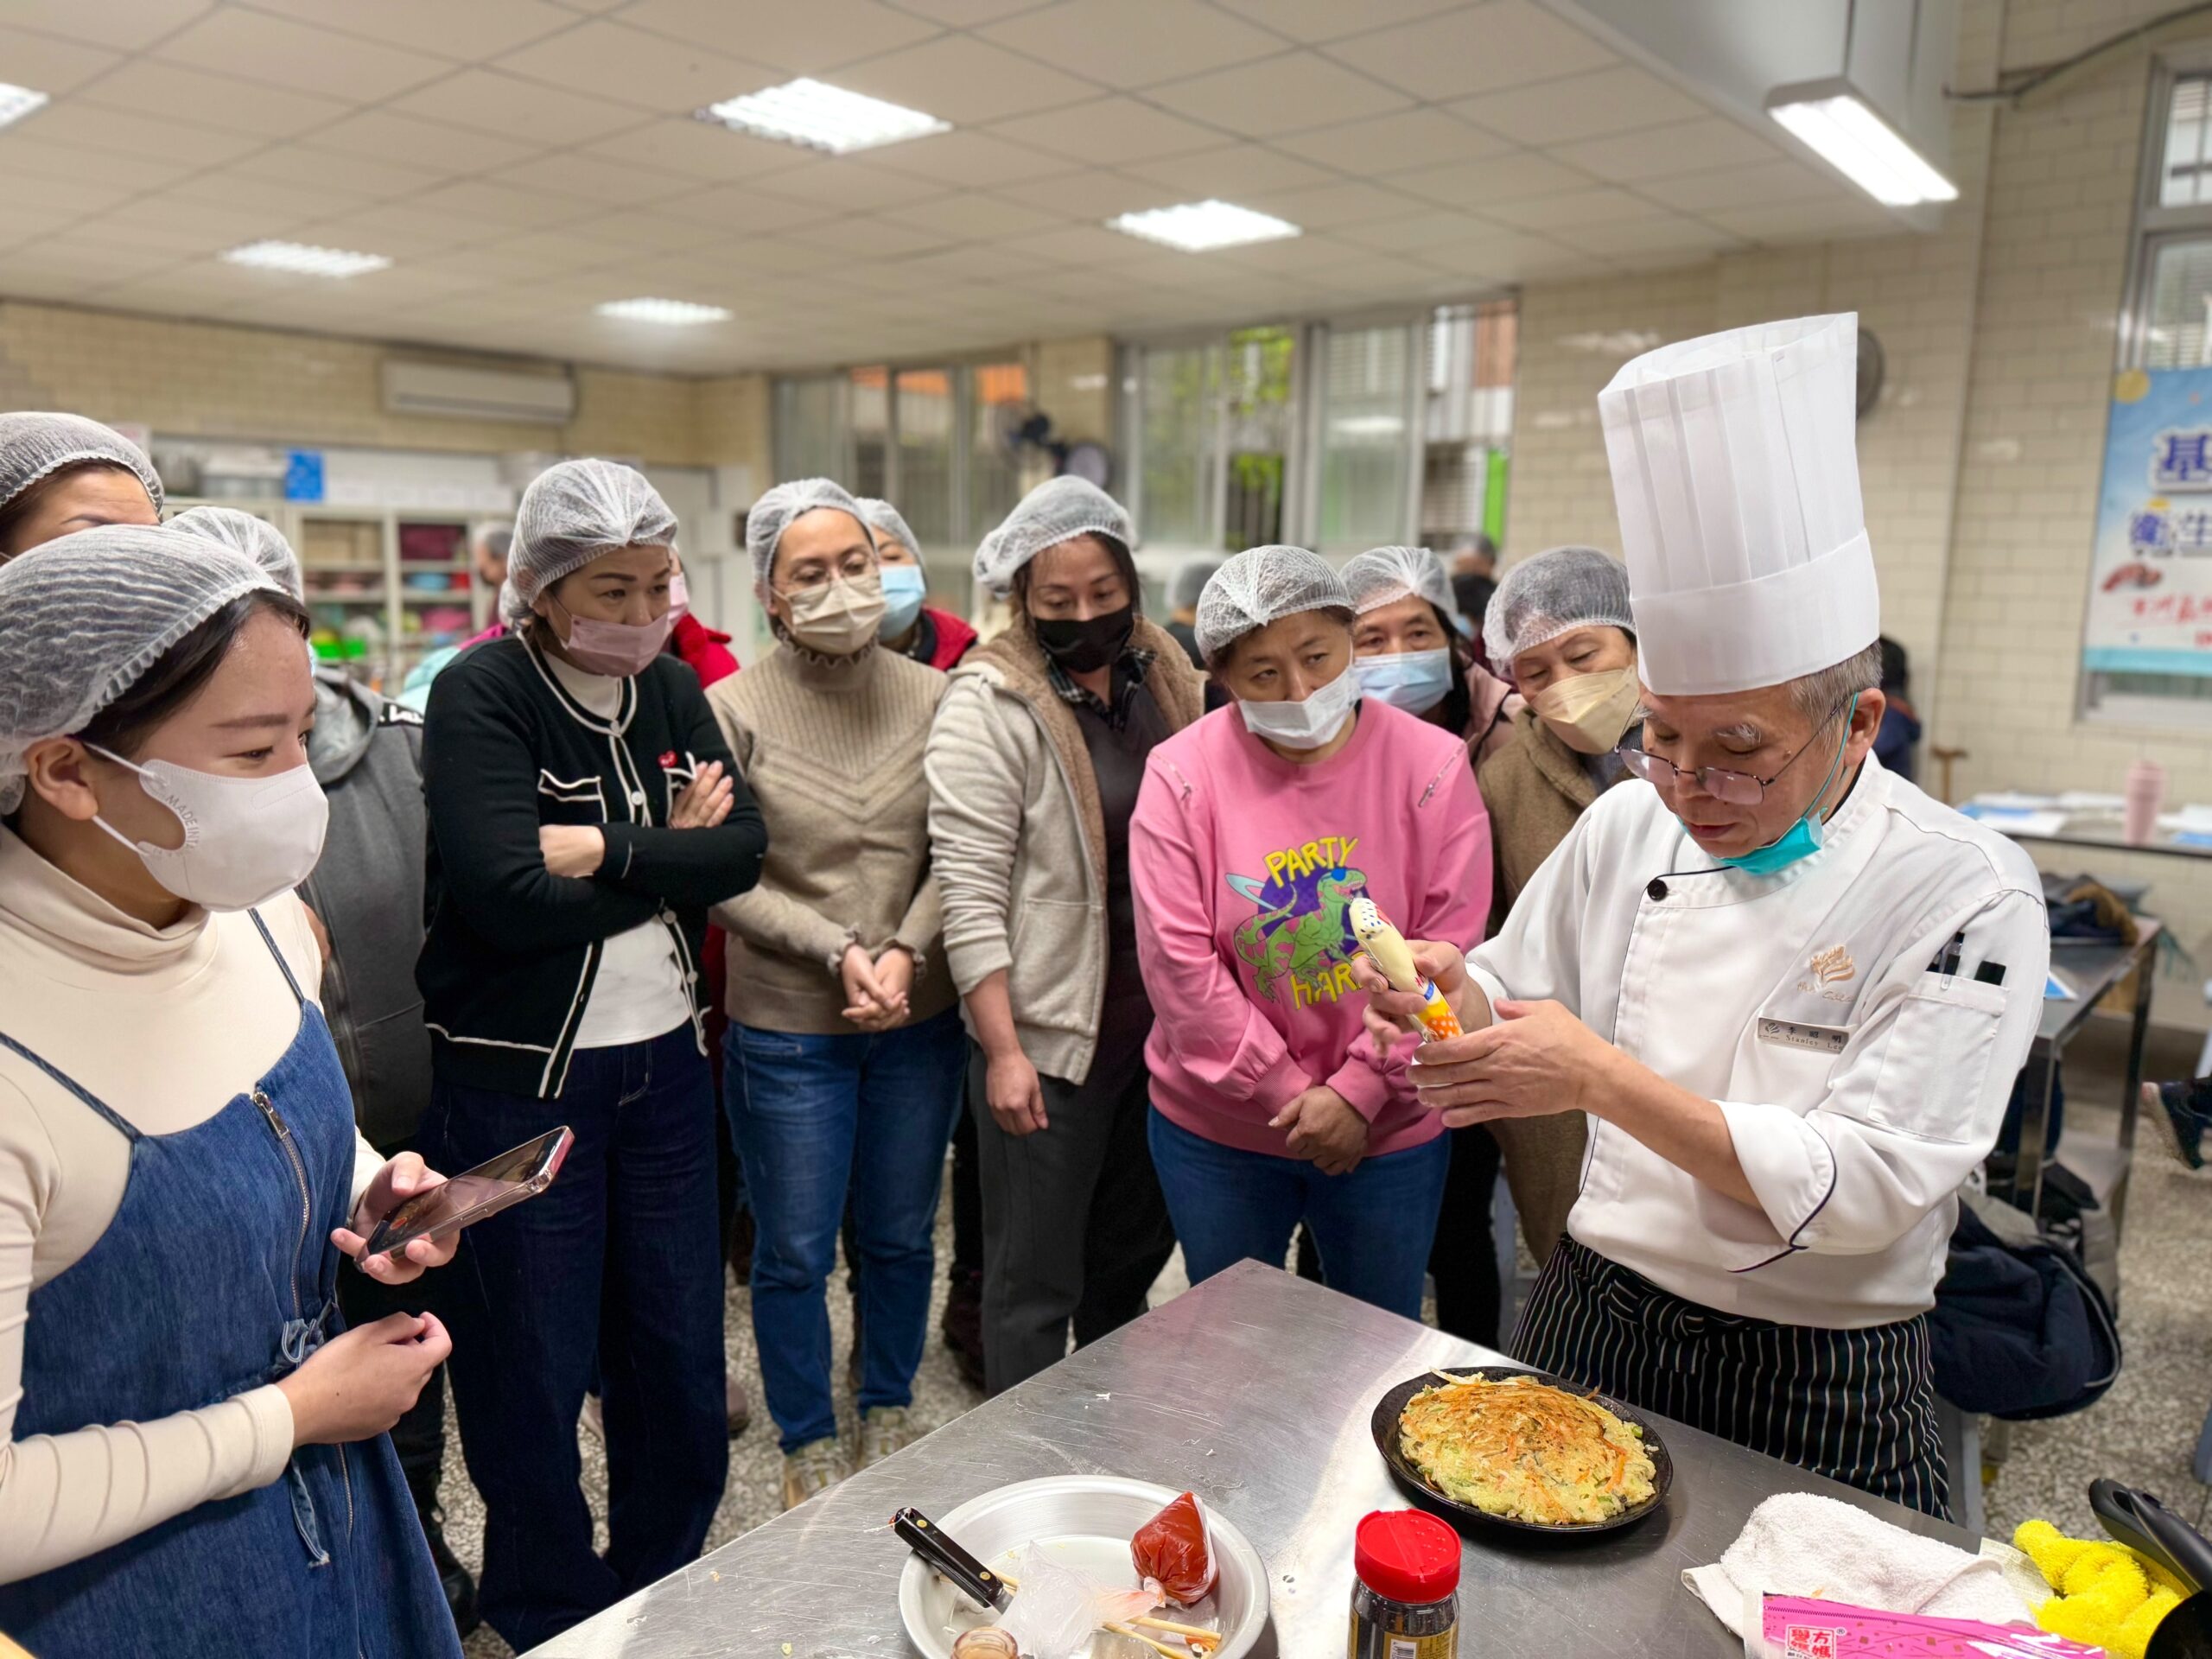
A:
x: 521, y: 161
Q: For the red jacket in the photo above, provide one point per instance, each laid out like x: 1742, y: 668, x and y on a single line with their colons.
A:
x: 953, y: 638
x: 705, y: 651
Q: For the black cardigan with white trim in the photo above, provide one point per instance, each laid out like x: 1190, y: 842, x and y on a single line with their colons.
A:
x: 512, y: 950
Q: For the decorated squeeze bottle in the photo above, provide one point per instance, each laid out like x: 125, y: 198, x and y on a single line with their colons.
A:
x: 1387, y: 950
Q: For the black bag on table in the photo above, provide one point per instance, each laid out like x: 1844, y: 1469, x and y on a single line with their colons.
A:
x: 2019, y: 1330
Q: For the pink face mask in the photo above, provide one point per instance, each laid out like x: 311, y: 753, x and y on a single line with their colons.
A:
x: 617, y: 649
x: 679, y: 598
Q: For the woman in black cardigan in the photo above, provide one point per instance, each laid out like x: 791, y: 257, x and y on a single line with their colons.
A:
x: 584, y: 812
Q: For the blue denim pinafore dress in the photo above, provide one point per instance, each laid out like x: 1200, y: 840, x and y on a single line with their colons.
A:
x: 218, y: 1276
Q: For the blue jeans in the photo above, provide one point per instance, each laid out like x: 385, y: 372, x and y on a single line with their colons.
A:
x: 1372, y: 1227
x: 800, y: 1106
x: 616, y: 1267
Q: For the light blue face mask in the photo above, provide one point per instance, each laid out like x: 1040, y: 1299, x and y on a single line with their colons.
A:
x: 1805, y: 838
x: 903, y: 587
x: 1415, y: 680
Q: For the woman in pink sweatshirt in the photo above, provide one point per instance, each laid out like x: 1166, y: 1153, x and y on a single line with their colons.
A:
x: 1257, y: 828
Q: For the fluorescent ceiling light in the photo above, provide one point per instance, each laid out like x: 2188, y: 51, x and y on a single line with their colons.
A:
x: 676, y: 314
x: 822, y: 117
x: 1835, y: 122
x: 1199, y: 227
x: 305, y: 259
x: 16, y: 102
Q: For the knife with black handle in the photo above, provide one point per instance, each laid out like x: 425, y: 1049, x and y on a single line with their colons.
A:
x: 966, y: 1574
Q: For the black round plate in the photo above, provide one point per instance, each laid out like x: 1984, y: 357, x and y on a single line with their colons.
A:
x: 1466, y: 1516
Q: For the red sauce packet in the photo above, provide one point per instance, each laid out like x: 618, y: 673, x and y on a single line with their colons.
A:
x: 1176, y: 1548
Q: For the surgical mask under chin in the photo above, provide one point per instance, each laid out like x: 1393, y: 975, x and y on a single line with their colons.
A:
x: 903, y: 587
x: 1806, y: 836
x: 1589, y: 712
x: 246, y: 840
x: 1415, y: 680
x: 1306, y: 725
x: 839, y: 617
x: 617, y: 649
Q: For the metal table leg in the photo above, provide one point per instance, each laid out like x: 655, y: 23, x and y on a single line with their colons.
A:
x: 2035, y: 1124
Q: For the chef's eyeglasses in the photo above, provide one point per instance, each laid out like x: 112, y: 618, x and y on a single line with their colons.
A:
x: 1736, y: 788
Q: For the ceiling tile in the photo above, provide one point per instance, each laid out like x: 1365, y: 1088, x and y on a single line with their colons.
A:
x: 471, y: 31
x: 1740, y: 186
x: 1109, y: 132
x: 744, y: 208
x: 611, y: 60
x: 50, y: 65
x: 94, y: 262
x: 21, y: 152
x: 840, y: 181
x: 123, y: 134
x: 400, y: 231
x: 1505, y: 43
x: 1394, y: 143
x: 974, y: 218
x: 1504, y: 178
x: 798, y: 40
x: 650, y: 232
x: 1618, y: 99
x: 297, y: 164
x: 1283, y: 94
x: 518, y: 109
x: 868, y: 235
x: 1662, y: 152
x: 232, y: 188
x: 126, y: 227
x: 167, y: 91
x: 594, y: 178
x: 1798, y: 220
x: 1329, y: 20
x: 297, y: 56
x: 1433, y: 228
x: 703, y: 150
x: 968, y: 156
x: 1328, y: 207
x: 977, y: 268
x: 1498, y: 253
x: 1131, y: 43
x: 72, y: 197
x: 127, y: 27
x: 1237, y: 170
x: 1095, y: 194
x: 540, y: 253
x: 498, y: 206
x: 1085, y: 246
x: 429, y: 146
x: 959, y: 79
x: 967, y: 14
x: 1586, y: 207
x: 1668, y: 233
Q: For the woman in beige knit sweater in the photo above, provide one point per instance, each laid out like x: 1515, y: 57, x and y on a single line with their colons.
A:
x: 843, y: 1036
x: 1033, y: 766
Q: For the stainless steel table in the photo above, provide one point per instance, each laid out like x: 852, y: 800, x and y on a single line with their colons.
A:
x: 2101, y: 833
x: 1255, y: 1390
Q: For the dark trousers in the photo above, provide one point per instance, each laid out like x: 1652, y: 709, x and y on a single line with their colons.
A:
x: 1857, y: 1405
x: 1074, y: 1229
x: 419, y: 1436
x: 1464, y: 1260
x: 617, y: 1262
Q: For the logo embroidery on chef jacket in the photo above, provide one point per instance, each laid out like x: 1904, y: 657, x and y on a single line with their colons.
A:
x: 1830, y: 968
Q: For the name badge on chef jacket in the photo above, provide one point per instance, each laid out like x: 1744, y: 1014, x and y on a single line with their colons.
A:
x: 1818, y: 1039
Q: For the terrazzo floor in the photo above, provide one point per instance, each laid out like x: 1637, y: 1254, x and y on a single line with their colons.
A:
x: 2142, y: 1432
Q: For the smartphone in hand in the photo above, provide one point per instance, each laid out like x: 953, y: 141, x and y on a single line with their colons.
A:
x: 462, y: 1200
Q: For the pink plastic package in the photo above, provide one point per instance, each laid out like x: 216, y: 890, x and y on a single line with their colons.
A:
x: 1802, y: 1627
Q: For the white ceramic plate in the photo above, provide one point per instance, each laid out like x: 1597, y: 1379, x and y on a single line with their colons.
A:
x: 1086, y: 1521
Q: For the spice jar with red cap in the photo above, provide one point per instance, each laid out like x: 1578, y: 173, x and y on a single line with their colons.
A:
x: 1405, y: 1601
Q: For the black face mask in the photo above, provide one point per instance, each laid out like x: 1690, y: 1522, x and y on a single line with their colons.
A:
x: 1082, y: 647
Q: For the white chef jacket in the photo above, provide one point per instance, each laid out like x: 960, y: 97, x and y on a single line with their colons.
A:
x: 1859, y: 1088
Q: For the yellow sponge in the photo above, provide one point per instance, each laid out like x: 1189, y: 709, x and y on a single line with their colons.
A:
x: 2108, y: 1595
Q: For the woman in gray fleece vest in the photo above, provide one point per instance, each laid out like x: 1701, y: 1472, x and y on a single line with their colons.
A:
x: 1033, y: 766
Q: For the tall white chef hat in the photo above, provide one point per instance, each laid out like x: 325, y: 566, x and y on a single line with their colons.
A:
x: 1736, y: 472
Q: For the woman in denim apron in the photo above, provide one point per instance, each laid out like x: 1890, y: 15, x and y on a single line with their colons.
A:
x: 217, y: 1273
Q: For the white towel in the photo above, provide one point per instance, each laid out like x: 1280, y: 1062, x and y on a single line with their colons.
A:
x: 1798, y: 1544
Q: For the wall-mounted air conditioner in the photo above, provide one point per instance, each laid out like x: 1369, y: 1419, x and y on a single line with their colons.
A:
x: 456, y: 392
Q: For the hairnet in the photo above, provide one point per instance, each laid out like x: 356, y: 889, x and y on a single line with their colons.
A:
x: 883, y: 519
x: 1259, y: 585
x: 1383, y: 575
x: 571, y: 513
x: 776, y: 512
x: 1191, y: 578
x: 256, y: 539
x: 1059, y: 510
x: 1541, y: 598
x: 35, y: 444
x: 87, y: 615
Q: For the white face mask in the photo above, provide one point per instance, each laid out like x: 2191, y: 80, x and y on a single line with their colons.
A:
x: 246, y: 840
x: 1305, y: 725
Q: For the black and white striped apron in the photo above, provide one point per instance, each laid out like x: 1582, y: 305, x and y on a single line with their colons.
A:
x: 1857, y: 1406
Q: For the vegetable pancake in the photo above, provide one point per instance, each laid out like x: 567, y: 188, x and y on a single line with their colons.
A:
x: 1523, y: 1449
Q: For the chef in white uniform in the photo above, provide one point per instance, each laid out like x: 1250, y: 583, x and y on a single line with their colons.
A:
x: 1789, y: 990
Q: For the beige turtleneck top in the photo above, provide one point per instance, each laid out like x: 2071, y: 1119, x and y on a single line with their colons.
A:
x: 166, y: 1025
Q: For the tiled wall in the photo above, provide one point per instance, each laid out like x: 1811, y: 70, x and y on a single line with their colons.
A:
x: 216, y: 380
x: 1980, y: 465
